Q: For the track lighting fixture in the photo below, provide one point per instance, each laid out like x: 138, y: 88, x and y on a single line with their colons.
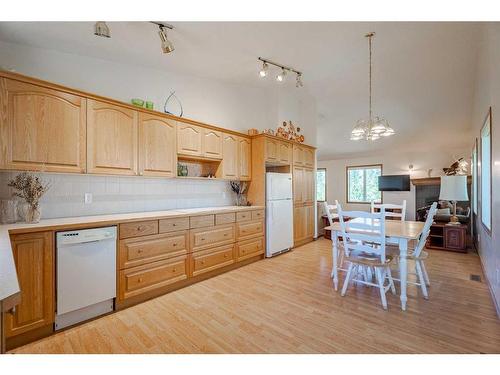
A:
x: 280, y: 77
x: 166, y: 45
x: 263, y: 71
x: 101, y: 29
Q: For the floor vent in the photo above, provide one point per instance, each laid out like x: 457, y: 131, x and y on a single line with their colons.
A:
x: 475, y: 278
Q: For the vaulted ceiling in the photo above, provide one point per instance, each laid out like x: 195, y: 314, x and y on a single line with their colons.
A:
x: 423, y: 72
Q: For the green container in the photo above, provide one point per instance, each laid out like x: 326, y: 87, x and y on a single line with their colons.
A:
x: 149, y: 105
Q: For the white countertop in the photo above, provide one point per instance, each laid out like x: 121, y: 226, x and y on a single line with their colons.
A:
x: 8, y: 276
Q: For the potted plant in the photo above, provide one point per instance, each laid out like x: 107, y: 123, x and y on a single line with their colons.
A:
x: 30, y: 188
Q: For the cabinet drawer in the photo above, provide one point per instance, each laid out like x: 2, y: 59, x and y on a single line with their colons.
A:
x: 250, y: 248
x: 142, y: 228
x: 244, y: 216
x: 137, y: 251
x: 172, y: 225
x: 209, y: 260
x: 225, y: 218
x: 209, y: 237
x: 249, y: 230
x: 201, y: 221
x: 258, y: 215
x: 142, y: 279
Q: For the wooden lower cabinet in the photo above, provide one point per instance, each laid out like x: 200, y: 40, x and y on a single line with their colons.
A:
x: 303, y: 224
x: 34, y: 258
x: 142, y: 279
x: 250, y: 248
x: 211, y: 259
x: 204, y: 238
x: 246, y: 230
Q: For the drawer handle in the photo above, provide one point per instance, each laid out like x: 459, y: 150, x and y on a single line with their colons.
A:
x: 202, y: 262
x: 139, y: 251
x: 139, y: 280
x: 225, y: 234
x: 174, y: 225
x: 202, y: 239
x: 225, y: 255
x: 174, y: 244
x: 139, y: 227
x: 173, y: 270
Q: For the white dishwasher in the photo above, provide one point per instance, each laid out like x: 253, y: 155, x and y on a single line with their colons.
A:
x: 86, y: 274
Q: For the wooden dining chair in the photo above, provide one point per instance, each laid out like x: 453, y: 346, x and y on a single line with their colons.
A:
x: 364, y: 250
x: 419, y: 255
x: 399, y: 214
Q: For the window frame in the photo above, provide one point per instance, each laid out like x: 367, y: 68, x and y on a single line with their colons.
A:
x: 367, y: 166
x: 475, y: 180
x: 487, y: 122
x: 323, y: 169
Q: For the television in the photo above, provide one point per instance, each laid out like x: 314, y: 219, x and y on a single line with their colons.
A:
x: 400, y: 182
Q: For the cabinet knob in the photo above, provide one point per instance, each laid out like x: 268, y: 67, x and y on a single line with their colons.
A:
x: 225, y: 234
x: 202, y: 239
x: 173, y: 270
x: 225, y: 255
x: 202, y: 262
x: 12, y: 311
x: 139, y: 280
x: 174, y: 225
x: 174, y: 244
x: 139, y: 251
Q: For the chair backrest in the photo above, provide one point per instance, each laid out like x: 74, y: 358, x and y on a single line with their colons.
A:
x: 388, y: 209
x: 426, y: 231
x: 357, y: 235
x: 330, y: 210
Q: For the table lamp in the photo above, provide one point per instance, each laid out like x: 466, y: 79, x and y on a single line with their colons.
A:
x: 454, y: 188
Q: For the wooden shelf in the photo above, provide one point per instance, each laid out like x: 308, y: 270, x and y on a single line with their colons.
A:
x: 432, y: 181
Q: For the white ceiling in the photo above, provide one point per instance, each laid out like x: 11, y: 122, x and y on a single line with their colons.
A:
x: 423, y: 72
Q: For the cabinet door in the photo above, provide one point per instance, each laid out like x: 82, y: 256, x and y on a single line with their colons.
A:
x: 298, y: 155
x: 308, y: 186
x: 41, y: 129
x: 309, y: 157
x: 157, y: 151
x: 212, y: 144
x: 245, y: 159
x: 272, y: 150
x: 34, y: 257
x: 285, y: 153
x: 298, y: 185
x: 112, y: 139
x: 309, y: 221
x: 298, y: 223
x: 230, y: 157
x: 189, y: 139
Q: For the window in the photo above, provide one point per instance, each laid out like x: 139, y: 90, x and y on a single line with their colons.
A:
x: 474, y: 177
x: 321, y: 184
x: 362, y: 184
x: 485, y: 179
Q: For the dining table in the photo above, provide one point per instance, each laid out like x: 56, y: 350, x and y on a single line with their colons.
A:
x: 398, y: 232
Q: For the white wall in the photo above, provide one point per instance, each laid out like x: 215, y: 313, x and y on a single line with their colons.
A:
x: 487, y: 93
x: 214, y: 102
x: 393, y: 163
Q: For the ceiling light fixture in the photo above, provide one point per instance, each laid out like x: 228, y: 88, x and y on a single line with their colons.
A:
x: 280, y: 77
x: 166, y: 44
x: 371, y: 128
x: 101, y: 29
x: 263, y: 71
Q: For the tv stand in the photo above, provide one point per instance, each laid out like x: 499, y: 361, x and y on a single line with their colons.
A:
x: 448, y: 237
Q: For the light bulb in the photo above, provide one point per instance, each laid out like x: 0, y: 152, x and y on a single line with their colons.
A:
x: 281, y: 76
x: 263, y: 71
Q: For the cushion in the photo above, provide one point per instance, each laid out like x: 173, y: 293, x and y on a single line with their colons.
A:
x: 443, y: 211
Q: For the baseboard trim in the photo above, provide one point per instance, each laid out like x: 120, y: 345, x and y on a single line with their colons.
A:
x: 483, y: 268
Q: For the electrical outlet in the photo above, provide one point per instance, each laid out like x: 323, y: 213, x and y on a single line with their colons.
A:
x: 88, y: 198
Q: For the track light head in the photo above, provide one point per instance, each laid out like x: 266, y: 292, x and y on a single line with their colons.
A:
x: 281, y: 76
x: 298, y: 81
x: 263, y: 71
x: 166, y: 45
x: 101, y: 29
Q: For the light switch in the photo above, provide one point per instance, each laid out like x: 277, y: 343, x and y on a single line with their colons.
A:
x: 88, y: 198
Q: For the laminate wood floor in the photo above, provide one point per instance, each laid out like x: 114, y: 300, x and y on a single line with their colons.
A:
x: 287, y: 305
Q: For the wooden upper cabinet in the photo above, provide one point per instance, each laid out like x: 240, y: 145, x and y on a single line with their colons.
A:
x: 189, y: 139
x: 34, y: 258
x: 285, y: 153
x: 298, y: 185
x: 272, y: 150
x: 41, y: 129
x: 245, y: 158
x: 230, y: 160
x: 309, y: 157
x: 157, y: 146
x: 308, y: 186
x: 212, y: 144
x: 298, y: 155
x: 111, y: 139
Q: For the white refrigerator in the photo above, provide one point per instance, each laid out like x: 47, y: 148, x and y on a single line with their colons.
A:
x: 279, y: 213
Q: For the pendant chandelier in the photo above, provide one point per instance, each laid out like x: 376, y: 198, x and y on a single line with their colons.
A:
x: 373, y: 127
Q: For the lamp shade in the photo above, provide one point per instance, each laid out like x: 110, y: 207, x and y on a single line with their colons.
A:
x: 454, y: 188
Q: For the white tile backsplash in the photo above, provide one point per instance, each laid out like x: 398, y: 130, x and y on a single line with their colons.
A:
x: 122, y: 194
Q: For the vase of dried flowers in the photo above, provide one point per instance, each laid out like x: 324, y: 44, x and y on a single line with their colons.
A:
x: 30, y: 188
x: 239, y: 188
